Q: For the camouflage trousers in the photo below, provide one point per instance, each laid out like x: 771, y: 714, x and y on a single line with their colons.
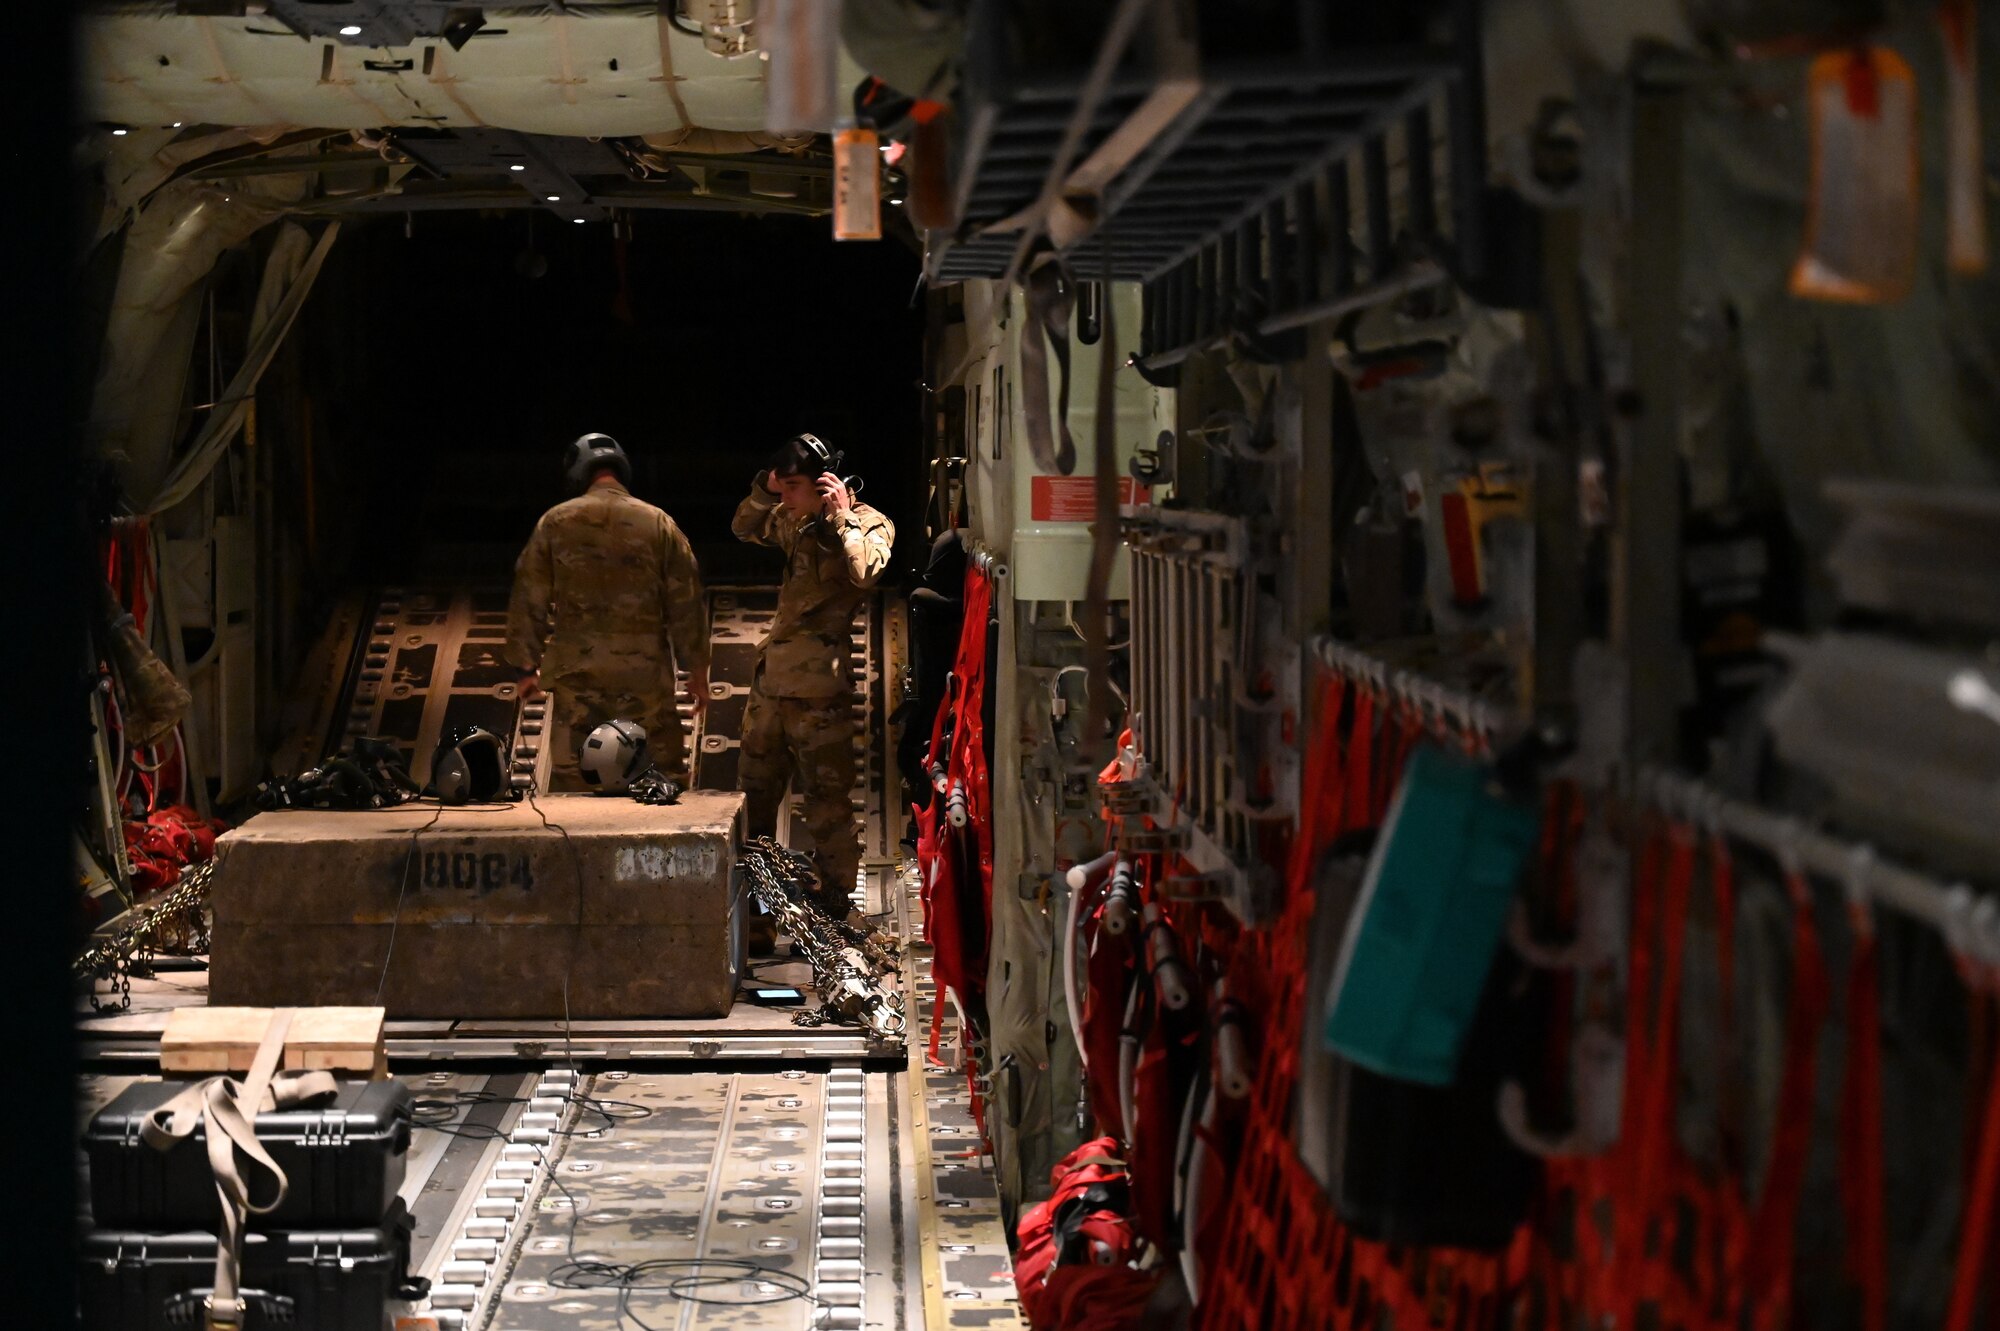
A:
x: 810, y: 740
x: 579, y: 705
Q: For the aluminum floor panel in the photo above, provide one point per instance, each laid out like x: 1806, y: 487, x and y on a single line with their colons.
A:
x: 720, y: 1166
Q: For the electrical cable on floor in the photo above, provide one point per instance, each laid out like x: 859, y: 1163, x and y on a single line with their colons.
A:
x: 439, y: 1114
x: 402, y: 891
x: 679, y: 1277
x: 576, y: 928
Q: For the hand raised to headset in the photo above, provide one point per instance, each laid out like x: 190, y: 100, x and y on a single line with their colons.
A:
x: 833, y: 494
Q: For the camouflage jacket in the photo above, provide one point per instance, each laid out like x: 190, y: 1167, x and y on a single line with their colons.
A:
x: 606, y: 586
x: 829, y: 567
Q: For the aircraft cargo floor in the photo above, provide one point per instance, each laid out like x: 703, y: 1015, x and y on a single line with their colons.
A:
x: 776, y: 1174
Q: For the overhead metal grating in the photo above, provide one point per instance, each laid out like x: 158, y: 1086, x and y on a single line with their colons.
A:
x: 1289, y: 185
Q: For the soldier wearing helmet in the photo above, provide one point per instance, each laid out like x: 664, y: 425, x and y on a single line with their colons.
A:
x: 607, y: 600
x: 799, y: 723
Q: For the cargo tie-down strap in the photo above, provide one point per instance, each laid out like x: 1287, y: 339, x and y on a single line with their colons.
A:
x: 1979, y: 1233
x: 955, y: 850
x: 1051, y: 295
x: 1688, y: 1237
x: 230, y: 1110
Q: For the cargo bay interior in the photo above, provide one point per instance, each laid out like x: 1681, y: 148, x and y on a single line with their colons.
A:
x: 1425, y: 752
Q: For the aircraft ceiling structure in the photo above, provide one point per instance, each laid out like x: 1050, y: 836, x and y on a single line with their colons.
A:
x: 575, y: 109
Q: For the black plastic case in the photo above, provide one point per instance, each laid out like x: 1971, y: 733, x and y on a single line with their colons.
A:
x: 345, y: 1161
x: 311, y: 1280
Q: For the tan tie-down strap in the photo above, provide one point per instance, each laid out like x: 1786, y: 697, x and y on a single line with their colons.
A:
x: 1051, y: 295
x: 230, y: 1109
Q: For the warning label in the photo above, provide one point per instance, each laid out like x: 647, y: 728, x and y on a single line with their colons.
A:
x: 1074, y: 498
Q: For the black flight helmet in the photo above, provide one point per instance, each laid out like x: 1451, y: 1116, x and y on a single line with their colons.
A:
x: 470, y: 766
x: 806, y: 455
x: 591, y: 454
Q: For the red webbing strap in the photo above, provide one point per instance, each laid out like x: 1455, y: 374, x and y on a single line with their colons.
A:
x: 128, y: 567
x: 1391, y: 748
x: 1722, y: 881
x: 1729, y: 1090
x: 943, y: 892
x: 1659, y: 935
x: 1862, y: 1174
x: 1773, y: 1237
x: 1321, y: 783
x: 955, y: 964
x: 1358, y: 796
x: 968, y: 733
x: 1169, y: 1054
x: 1555, y: 916
x: 1656, y: 1145
x: 1108, y: 977
x: 1978, y: 1232
x: 933, y: 757
x: 1615, y: 1282
x: 940, y: 922
x: 1721, y: 1250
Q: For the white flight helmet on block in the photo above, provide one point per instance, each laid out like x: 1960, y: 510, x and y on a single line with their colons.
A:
x: 614, y: 756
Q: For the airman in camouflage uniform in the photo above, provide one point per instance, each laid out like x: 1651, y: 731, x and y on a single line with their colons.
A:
x: 799, y: 723
x: 607, y: 597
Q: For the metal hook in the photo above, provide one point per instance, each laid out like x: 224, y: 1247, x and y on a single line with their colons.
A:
x: 1983, y: 922
x: 1860, y: 868
x: 1712, y: 803
x: 1673, y: 797
x: 1446, y: 712
x: 1656, y: 787
x: 1791, y: 833
x: 1971, y: 926
x: 1584, y: 953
